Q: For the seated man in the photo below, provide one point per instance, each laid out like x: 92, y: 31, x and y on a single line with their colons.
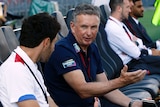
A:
x: 129, y: 48
x: 74, y: 73
x: 137, y: 28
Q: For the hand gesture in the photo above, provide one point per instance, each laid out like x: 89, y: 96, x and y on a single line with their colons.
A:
x: 131, y: 77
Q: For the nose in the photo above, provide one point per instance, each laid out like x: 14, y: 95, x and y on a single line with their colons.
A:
x: 142, y: 9
x: 89, y: 31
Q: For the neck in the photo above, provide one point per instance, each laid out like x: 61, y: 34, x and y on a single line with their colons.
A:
x: 33, y: 53
x: 84, y: 49
x: 133, y: 16
x: 116, y: 16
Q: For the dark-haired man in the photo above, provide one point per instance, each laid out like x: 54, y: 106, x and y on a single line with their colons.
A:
x: 21, y: 83
x: 137, y: 28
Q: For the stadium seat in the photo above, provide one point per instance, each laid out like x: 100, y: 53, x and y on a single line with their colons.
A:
x: 10, y: 36
x: 111, y: 61
x: 17, y: 32
x: 64, y: 29
x: 5, y: 50
x: 69, y: 17
x: 105, y: 12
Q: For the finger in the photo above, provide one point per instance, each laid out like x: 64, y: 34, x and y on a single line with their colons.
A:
x: 125, y: 68
x: 139, y: 75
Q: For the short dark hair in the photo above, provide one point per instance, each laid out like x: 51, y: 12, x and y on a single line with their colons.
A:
x: 86, y: 9
x: 38, y: 27
x: 114, y: 3
x: 136, y: 0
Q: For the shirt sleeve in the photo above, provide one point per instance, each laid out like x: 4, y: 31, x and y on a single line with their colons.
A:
x: 64, y: 60
x: 120, y: 39
x: 19, y: 84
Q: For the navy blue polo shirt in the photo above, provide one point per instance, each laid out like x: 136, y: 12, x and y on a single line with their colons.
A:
x: 66, y: 58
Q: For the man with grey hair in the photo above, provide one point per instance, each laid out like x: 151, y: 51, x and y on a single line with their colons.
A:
x: 74, y: 73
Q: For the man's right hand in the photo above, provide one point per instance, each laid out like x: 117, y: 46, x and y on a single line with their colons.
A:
x: 131, y: 77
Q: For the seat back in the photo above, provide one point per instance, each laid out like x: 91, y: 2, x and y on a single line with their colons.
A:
x: 10, y: 36
x: 69, y: 17
x: 105, y: 12
x: 110, y: 60
x: 5, y: 50
x: 17, y: 32
x: 64, y: 29
x: 0, y: 62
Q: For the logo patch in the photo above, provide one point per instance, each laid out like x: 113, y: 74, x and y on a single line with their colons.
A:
x: 76, y: 47
x: 69, y: 63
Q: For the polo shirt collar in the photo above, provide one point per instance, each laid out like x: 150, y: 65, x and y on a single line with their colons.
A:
x: 75, y: 43
x: 26, y: 58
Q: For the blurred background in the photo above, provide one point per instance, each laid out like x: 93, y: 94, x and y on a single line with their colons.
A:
x: 19, y: 9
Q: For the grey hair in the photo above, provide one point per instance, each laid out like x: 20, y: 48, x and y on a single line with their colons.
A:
x: 88, y: 9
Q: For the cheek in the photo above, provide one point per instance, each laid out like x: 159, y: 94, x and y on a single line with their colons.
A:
x: 95, y: 32
x: 47, y: 55
x: 52, y: 48
x: 53, y: 45
x: 78, y: 33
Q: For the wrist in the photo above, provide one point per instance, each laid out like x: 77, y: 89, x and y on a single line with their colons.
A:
x: 131, y: 103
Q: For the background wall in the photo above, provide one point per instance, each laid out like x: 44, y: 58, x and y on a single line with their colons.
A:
x: 147, y: 3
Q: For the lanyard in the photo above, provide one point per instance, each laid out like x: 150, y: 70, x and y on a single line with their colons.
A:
x: 127, y: 33
x: 86, y: 64
x: 45, y: 95
x: 124, y: 29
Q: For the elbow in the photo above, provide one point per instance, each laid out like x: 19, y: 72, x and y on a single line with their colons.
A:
x: 137, y: 54
x: 83, y: 92
x: 83, y: 95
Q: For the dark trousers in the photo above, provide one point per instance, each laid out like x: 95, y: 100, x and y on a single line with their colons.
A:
x: 1, y: 104
x: 150, y: 63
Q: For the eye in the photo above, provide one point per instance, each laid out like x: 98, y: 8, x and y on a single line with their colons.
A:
x: 84, y: 27
x: 94, y: 27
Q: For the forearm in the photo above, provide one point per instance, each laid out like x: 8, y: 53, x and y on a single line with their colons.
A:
x: 51, y: 102
x: 118, y: 98
x: 99, y: 88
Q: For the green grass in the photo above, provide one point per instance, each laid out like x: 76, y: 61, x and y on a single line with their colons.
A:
x: 153, y: 31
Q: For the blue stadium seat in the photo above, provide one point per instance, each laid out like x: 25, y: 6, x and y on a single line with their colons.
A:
x: 105, y: 12
x: 69, y: 17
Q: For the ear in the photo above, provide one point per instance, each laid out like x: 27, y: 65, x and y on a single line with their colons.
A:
x: 46, y: 42
x: 72, y: 26
x: 119, y: 8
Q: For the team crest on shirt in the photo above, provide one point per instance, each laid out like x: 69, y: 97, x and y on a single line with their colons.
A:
x: 69, y: 63
x: 76, y: 47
